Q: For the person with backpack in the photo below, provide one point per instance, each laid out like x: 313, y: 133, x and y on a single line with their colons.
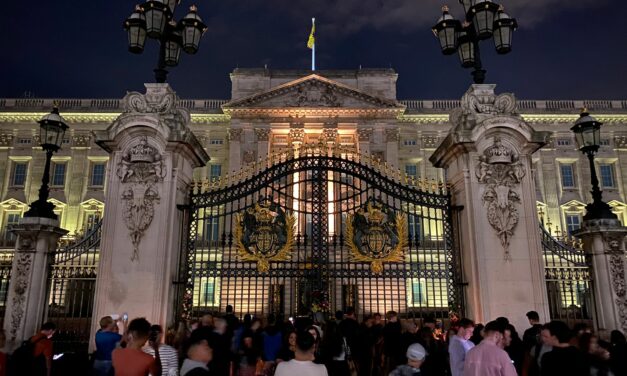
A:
x: 34, y: 356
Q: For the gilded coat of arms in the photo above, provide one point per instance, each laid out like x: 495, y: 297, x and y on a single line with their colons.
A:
x: 376, y: 235
x: 264, y: 233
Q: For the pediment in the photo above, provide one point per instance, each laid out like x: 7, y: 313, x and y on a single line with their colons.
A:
x: 13, y: 204
x: 312, y: 91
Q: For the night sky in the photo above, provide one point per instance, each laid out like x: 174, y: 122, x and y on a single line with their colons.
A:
x: 77, y: 49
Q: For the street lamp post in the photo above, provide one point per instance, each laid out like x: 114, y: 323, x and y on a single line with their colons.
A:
x: 52, y: 128
x: 484, y: 20
x: 588, y: 136
x: 154, y: 19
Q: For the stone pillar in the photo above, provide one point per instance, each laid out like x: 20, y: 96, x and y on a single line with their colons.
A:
x: 152, y: 156
x: 487, y: 157
x: 364, y: 135
x: 604, y: 242
x: 263, y: 142
x: 235, y: 151
x: 392, y: 136
x: 27, y: 297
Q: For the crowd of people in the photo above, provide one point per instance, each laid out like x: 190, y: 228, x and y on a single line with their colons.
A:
x: 224, y: 345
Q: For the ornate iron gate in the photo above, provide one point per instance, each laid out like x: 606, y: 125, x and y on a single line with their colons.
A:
x: 568, y: 279
x: 71, y: 290
x: 318, y: 231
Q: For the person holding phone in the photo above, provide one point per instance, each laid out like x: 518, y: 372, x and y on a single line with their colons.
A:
x: 107, y: 339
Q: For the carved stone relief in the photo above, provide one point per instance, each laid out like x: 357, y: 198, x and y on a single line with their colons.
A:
x: 82, y: 140
x: 314, y: 94
x: 392, y: 135
x: 429, y: 141
x: 297, y: 135
x: 263, y: 134
x: 20, y: 286
x: 364, y: 134
x: 141, y: 168
x: 6, y: 139
x: 329, y: 134
x: 613, y: 246
x: 479, y: 103
x: 620, y: 142
x: 249, y: 156
x: 501, y: 172
x: 235, y: 134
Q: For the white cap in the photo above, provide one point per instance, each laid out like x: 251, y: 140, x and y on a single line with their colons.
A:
x: 416, y: 352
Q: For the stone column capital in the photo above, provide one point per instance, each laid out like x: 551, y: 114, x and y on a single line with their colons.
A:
x: 235, y: 134
x: 364, y: 134
x: 263, y: 134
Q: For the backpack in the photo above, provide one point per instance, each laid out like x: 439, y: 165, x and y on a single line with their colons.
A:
x: 23, y: 360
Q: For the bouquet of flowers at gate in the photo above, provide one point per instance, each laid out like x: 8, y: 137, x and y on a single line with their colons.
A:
x: 319, y: 301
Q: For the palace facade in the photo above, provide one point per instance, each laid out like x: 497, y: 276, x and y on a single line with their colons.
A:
x: 274, y: 112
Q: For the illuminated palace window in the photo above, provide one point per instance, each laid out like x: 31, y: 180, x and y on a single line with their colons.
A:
x: 97, y: 176
x: 10, y: 219
x: 568, y: 175
x: 215, y: 171
x: 573, y: 222
x: 58, y: 174
x: 607, y: 175
x: 18, y: 178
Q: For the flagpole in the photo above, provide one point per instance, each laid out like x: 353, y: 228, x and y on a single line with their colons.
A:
x: 313, y: 48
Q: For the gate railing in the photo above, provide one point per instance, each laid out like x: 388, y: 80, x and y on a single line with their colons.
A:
x: 568, y: 279
x: 71, y: 288
x: 6, y: 263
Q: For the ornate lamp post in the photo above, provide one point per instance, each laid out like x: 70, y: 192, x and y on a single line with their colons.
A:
x: 484, y: 20
x: 154, y: 19
x: 588, y: 136
x: 52, y: 128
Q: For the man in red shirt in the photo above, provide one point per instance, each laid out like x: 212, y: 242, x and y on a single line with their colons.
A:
x: 42, y: 352
x: 132, y: 361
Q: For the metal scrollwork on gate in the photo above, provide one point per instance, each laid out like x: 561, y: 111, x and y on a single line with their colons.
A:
x: 376, y: 235
x: 264, y: 233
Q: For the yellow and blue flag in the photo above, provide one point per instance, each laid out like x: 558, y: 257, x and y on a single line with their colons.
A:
x: 312, y: 36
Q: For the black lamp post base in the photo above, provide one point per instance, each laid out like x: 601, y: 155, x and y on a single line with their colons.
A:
x: 599, y: 210
x: 41, y: 209
x: 478, y: 76
x: 161, y: 75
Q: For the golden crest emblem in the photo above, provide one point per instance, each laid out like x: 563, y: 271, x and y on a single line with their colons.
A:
x: 264, y: 233
x: 376, y: 235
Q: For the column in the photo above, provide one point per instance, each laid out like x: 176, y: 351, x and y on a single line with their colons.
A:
x: 235, y: 152
x: 364, y: 135
x: 263, y: 145
x: 604, y: 242
x: 392, y: 136
x: 487, y: 157
x: 26, y: 301
x: 152, y: 156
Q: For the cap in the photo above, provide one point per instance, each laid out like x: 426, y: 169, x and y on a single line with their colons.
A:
x: 416, y: 352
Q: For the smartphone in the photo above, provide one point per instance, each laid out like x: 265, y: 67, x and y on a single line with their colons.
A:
x: 57, y: 356
x: 125, y: 317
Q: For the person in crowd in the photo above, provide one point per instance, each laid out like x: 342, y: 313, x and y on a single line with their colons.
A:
x: 488, y: 358
x: 249, y: 355
x: 43, y: 350
x: 563, y: 359
x: 597, y: 357
x: 409, y: 335
x: 314, y: 331
x: 618, y: 353
x: 207, y: 320
x: 231, y: 320
x: 198, y: 354
x: 168, y: 355
x: 531, y: 336
x: 477, y: 334
x: 220, y: 343
x: 107, y: 339
x: 236, y: 337
x: 377, y: 336
x: 272, y: 339
x: 288, y: 350
x: 513, y: 345
x: 459, y: 345
x: 302, y: 364
x: 367, y: 346
x: 347, y: 338
x: 131, y: 360
x: 415, y: 354
x: 392, y: 345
